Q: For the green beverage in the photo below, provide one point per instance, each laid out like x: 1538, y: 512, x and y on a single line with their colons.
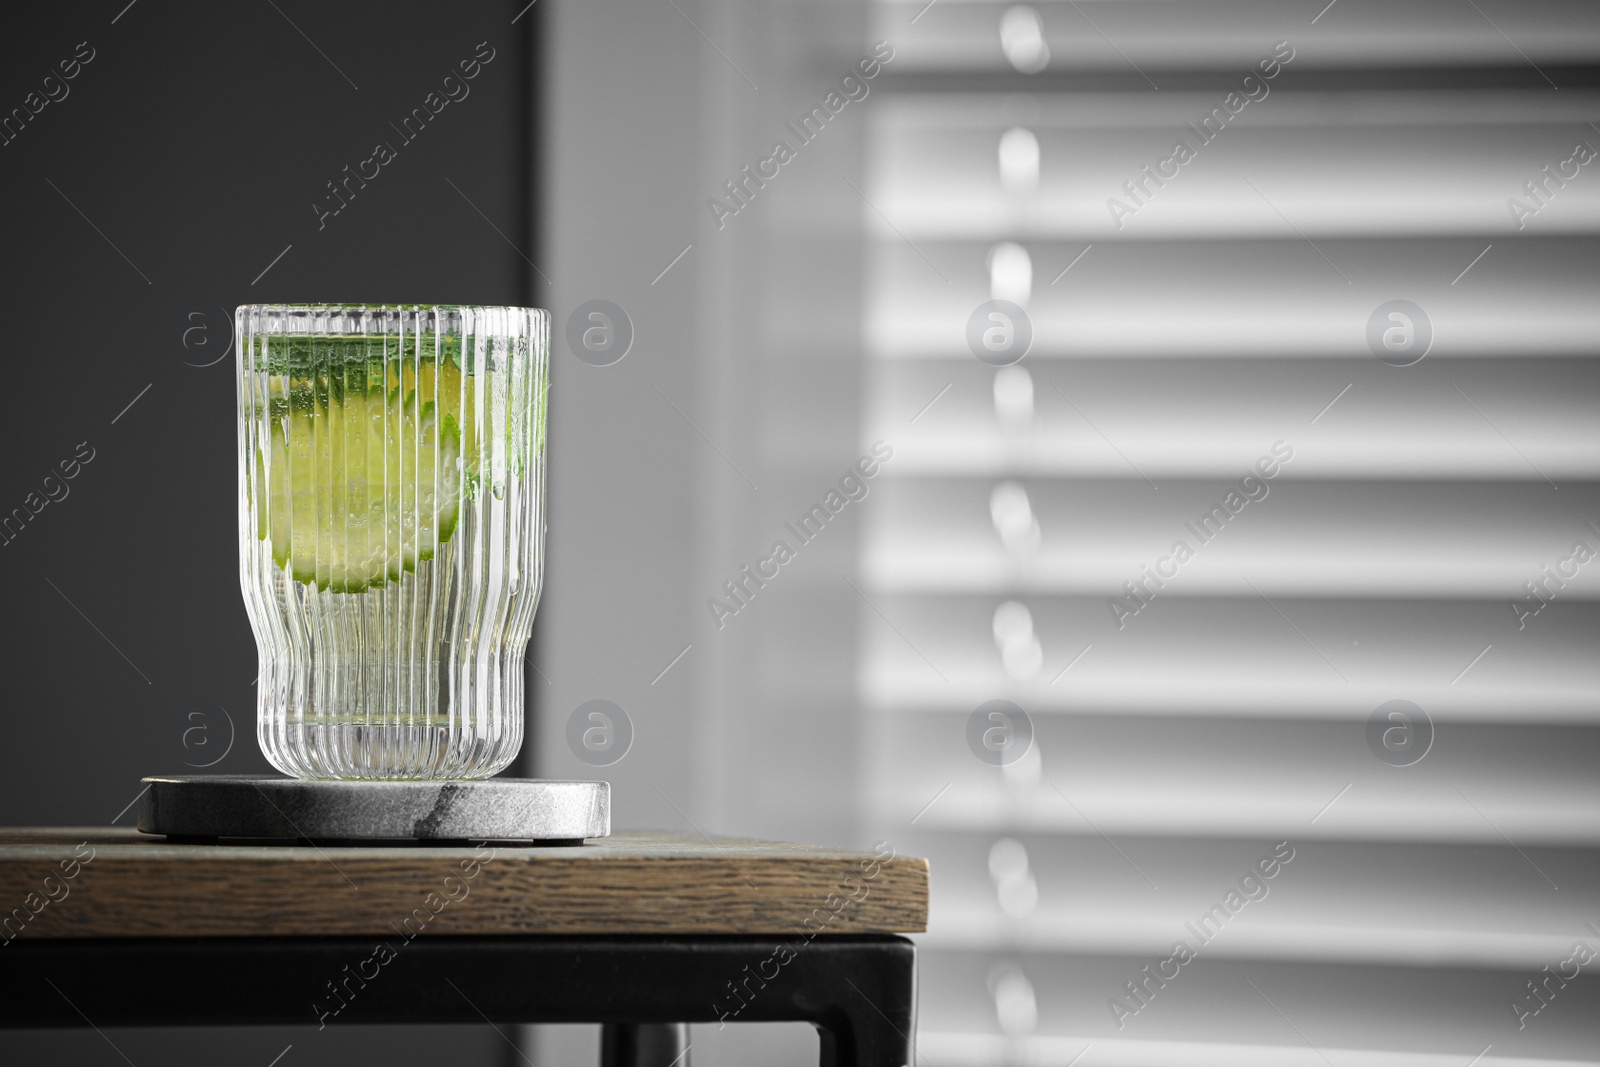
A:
x: 391, y: 533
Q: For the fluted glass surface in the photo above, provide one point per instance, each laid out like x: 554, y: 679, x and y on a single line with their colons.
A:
x: 391, y: 532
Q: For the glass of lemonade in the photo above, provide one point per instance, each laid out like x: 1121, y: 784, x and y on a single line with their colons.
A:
x: 391, y: 532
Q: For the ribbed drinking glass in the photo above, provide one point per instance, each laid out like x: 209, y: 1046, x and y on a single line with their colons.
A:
x: 391, y: 532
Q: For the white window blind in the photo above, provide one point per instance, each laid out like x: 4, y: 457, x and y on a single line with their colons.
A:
x: 1199, y: 715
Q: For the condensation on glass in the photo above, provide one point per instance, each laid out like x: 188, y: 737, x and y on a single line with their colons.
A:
x: 391, y: 532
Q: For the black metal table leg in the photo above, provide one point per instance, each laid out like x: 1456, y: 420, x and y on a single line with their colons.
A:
x: 859, y: 991
x: 870, y: 1019
x: 644, y: 1045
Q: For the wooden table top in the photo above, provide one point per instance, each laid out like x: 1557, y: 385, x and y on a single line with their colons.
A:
x: 115, y: 882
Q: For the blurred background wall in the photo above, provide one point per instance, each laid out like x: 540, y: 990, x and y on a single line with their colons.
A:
x: 1341, y: 302
x: 1180, y: 722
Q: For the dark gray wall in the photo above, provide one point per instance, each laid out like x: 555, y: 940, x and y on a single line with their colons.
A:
x: 149, y: 199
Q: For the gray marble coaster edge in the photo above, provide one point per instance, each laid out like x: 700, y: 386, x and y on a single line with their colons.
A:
x: 498, y: 809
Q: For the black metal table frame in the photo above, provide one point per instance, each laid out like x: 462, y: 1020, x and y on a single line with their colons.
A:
x: 859, y: 992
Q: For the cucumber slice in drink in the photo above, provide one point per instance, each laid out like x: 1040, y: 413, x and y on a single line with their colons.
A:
x: 364, y: 478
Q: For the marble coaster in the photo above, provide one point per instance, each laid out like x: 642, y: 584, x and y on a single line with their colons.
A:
x: 490, y: 809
